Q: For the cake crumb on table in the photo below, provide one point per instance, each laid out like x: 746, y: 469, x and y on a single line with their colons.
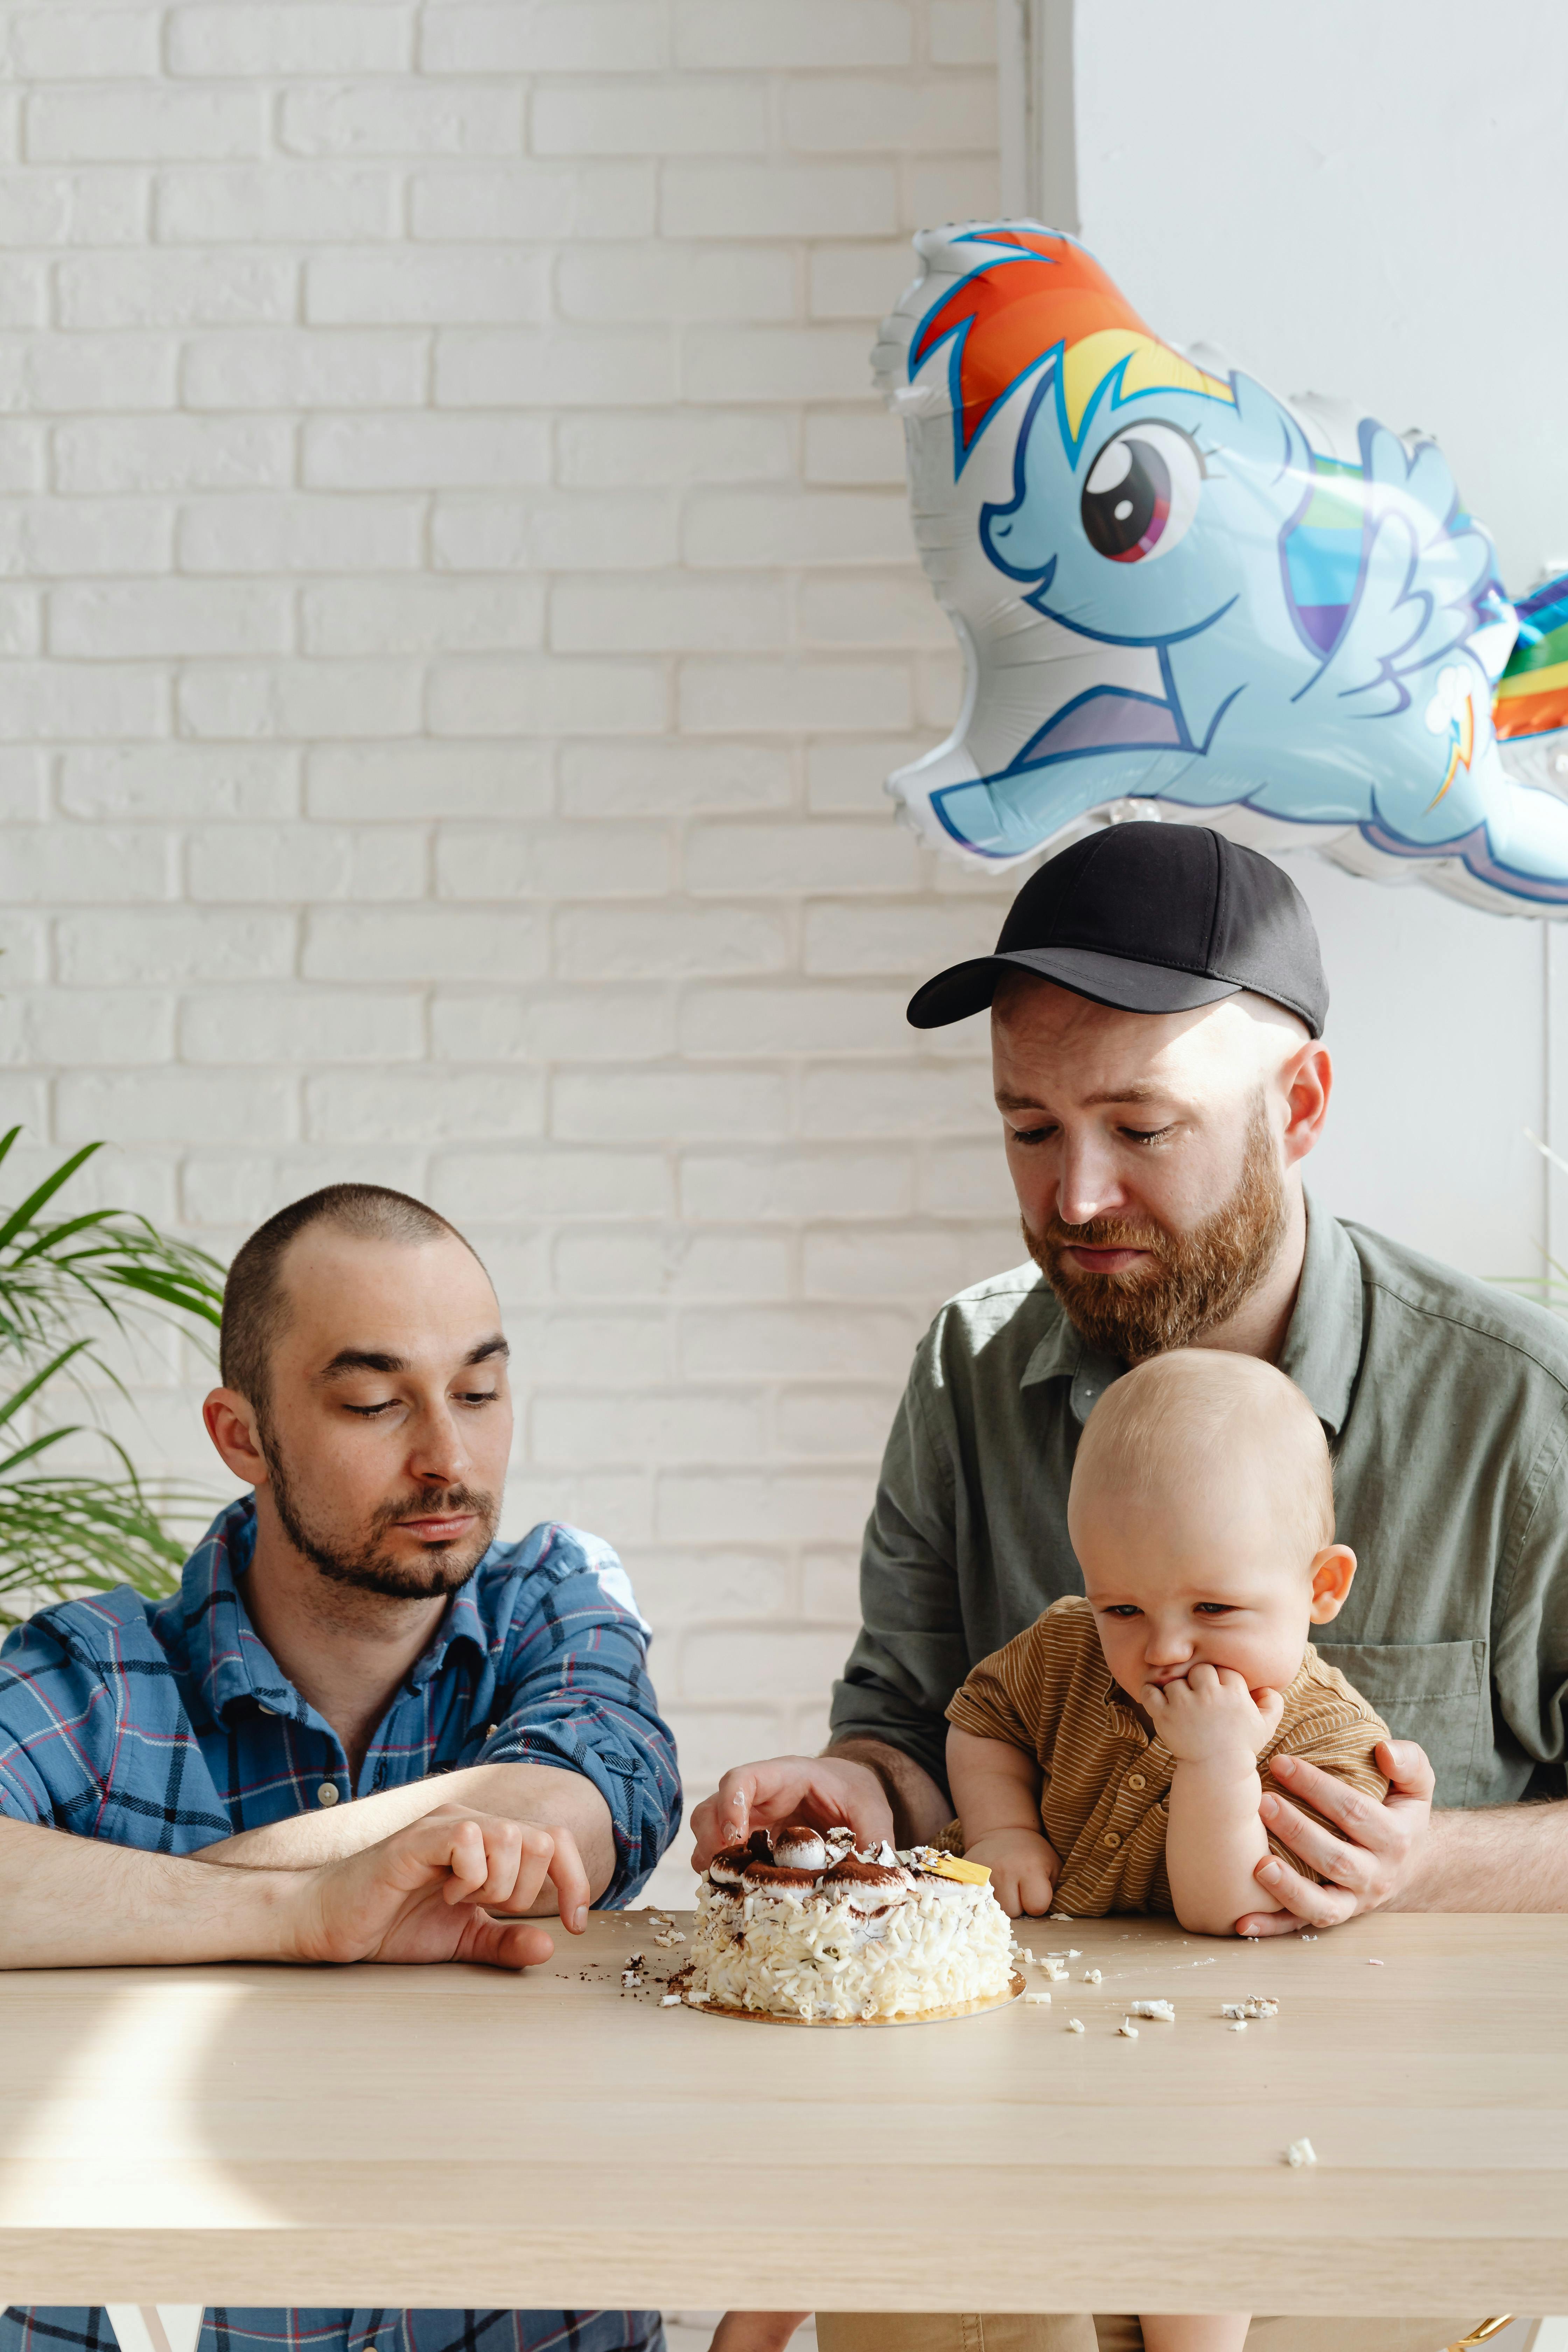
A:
x: 1127, y: 2029
x: 1301, y: 2152
x: 1074, y: 2025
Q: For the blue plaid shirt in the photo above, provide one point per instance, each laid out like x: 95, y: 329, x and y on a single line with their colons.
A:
x: 167, y: 1725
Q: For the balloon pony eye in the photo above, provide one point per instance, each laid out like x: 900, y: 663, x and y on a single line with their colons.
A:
x: 1141, y: 493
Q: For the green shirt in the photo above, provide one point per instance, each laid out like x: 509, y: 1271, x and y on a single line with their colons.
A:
x: 1445, y: 1407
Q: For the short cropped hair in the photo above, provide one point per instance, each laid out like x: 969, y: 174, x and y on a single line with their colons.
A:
x: 255, y: 1304
x: 1188, y: 1418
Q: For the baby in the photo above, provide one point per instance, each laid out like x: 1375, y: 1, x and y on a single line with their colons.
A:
x: 1110, y: 1758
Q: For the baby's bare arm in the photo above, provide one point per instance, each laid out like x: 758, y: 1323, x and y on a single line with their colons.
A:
x: 994, y: 1785
x: 1215, y: 1728
x: 1215, y: 1844
x: 996, y: 1788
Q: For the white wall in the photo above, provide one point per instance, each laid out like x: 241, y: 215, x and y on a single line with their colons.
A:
x: 456, y: 608
x: 1341, y: 199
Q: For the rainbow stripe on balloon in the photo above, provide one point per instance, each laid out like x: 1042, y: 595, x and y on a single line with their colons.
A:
x: 1531, y: 696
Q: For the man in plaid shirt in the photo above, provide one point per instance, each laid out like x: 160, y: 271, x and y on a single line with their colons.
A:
x: 357, y: 1704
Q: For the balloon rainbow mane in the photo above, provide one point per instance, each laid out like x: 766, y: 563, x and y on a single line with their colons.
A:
x: 1051, y: 302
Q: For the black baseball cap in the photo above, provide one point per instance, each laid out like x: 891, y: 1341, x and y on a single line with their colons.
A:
x: 1154, y: 918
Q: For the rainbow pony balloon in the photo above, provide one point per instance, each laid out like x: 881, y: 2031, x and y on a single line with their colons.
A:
x: 1178, y: 595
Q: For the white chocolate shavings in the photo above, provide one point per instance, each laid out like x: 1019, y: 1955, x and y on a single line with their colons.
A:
x: 1036, y: 2001
x: 1073, y: 1952
x: 1091, y: 1975
x: 630, y: 1978
x: 1074, y: 2025
x: 1128, y: 2028
x: 1259, y: 2005
x: 1236, y: 2024
x: 670, y: 2000
x: 1374, y: 1964
x: 1162, y: 2009
x: 674, y: 1936
x: 1307, y: 1938
x: 1300, y: 2152
x: 1054, y: 1971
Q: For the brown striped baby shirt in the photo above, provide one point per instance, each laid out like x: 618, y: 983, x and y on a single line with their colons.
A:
x: 1103, y: 1803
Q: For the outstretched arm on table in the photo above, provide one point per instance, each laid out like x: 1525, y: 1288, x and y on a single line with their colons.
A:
x: 421, y: 1894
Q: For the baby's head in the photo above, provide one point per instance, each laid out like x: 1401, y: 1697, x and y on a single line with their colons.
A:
x: 1202, y: 1512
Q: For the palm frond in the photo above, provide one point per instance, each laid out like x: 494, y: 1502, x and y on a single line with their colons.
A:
x: 65, y: 1536
x: 68, y: 1286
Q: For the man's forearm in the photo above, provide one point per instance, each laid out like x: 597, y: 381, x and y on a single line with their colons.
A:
x: 74, y: 1901
x: 538, y: 1793
x: 1503, y: 1858
x: 920, y: 1810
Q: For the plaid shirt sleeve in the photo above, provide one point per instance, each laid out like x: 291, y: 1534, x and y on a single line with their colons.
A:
x: 75, y: 1751
x: 573, y: 1690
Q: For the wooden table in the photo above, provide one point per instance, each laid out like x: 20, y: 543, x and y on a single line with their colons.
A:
x: 456, y: 2137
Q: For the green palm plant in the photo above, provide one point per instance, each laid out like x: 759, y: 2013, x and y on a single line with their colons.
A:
x: 69, y: 1288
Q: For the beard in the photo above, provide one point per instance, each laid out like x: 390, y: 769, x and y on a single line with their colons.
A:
x: 1197, y: 1280
x: 364, y: 1564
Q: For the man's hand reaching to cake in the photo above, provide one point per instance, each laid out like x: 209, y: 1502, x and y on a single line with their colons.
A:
x: 820, y: 1789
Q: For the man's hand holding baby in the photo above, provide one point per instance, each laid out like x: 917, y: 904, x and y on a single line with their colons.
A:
x: 1208, y: 1716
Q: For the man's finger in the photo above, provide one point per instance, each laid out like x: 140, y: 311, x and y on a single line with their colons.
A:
x: 1347, y: 1865
x: 1409, y: 1769
x: 573, y: 1892
x: 506, y: 1943
x: 1269, y: 1923
x: 1311, y: 1905
x: 1361, y: 1818
x: 467, y: 1864
x: 731, y: 1803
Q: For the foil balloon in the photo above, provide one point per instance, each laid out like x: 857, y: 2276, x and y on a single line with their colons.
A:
x: 1180, y: 595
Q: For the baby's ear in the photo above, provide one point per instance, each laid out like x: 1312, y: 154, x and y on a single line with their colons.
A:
x: 1333, y: 1569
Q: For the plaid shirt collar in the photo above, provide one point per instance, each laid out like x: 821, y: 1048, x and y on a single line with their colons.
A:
x: 227, y: 1656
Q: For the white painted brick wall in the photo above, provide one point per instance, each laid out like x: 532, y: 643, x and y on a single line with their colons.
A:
x: 457, y: 609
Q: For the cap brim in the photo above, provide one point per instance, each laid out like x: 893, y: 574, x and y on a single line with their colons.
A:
x: 1118, y: 980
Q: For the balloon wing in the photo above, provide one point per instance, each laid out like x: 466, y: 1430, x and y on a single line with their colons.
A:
x: 1180, y: 595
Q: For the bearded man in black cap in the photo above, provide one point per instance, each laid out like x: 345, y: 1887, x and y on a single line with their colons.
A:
x: 1157, y: 1004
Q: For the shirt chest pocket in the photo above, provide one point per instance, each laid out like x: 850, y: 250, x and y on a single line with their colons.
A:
x: 1435, y: 1691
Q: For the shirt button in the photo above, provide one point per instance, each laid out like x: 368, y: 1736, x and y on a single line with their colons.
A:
x: 1111, y: 1839
x: 1136, y: 1781
x: 327, y: 1794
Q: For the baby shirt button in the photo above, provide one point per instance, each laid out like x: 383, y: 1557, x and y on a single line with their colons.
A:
x: 1135, y: 1780
x: 327, y: 1794
x: 1110, y: 1838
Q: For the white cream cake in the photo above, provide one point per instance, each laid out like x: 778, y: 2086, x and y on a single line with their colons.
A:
x: 808, y: 1926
